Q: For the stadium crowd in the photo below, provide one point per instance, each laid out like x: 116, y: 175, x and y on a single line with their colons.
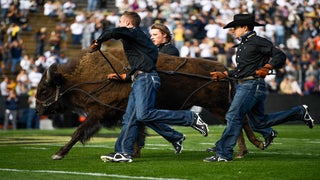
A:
x: 196, y: 26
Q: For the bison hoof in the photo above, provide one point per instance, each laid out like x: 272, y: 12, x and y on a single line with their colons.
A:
x: 56, y: 157
x: 241, y: 154
x: 261, y: 146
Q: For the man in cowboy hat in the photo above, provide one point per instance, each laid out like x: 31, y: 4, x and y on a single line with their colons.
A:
x: 255, y: 57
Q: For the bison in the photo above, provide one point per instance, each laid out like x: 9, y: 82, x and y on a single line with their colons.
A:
x: 81, y: 86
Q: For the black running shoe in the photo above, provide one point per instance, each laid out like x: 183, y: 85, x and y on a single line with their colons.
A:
x: 116, y: 157
x: 198, y: 123
x: 178, y: 147
x: 215, y: 159
x: 269, y: 139
x: 307, y: 118
x: 121, y: 157
x: 212, y: 149
x: 107, y: 157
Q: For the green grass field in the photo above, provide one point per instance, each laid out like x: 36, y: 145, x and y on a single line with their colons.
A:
x: 26, y: 154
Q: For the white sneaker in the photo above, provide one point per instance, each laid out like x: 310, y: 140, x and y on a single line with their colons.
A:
x: 307, y: 118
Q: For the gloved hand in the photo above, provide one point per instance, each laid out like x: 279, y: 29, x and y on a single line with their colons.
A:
x: 262, y: 72
x: 218, y: 75
x: 114, y: 76
x: 94, y: 46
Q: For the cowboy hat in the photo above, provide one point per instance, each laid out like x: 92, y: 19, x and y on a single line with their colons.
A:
x: 242, y: 19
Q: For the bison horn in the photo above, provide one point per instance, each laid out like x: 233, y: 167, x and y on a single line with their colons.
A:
x: 48, y: 76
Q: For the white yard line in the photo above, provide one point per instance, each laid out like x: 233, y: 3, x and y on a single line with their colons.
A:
x: 87, y: 174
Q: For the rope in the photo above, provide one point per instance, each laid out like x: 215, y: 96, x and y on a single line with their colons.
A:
x: 114, y: 70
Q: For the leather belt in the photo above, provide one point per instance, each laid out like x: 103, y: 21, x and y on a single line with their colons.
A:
x: 135, y: 74
x: 242, y: 80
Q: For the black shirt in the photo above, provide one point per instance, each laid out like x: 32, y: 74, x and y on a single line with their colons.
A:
x: 141, y: 53
x: 168, y: 48
x: 254, y: 52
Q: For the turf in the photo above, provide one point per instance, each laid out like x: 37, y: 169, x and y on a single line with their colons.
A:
x: 26, y: 154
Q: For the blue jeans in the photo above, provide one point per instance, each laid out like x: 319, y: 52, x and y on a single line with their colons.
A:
x: 15, y: 62
x: 249, y: 100
x: 141, y: 108
x: 265, y: 132
x: 33, y: 118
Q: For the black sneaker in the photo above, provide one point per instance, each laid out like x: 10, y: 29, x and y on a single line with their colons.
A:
x: 200, y: 125
x: 116, y: 157
x: 212, y: 149
x: 178, y: 147
x: 269, y: 139
x: 121, y: 157
x: 215, y: 159
x: 107, y: 157
x: 307, y: 118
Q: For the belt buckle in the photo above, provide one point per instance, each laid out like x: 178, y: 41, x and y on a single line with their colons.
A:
x: 135, y: 74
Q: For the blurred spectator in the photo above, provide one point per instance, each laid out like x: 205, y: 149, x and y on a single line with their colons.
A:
x: 185, y: 49
x: 206, y: 49
x: 304, y: 64
x: 221, y: 53
x: 13, y: 14
x: 178, y: 35
x: 113, y: 18
x: 24, y: 23
x: 62, y: 28
x: 55, y: 41
x: 2, y: 56
x: 290, y: 69
x: 88, y: 30
x: 11, y: 110
x: 16, y: 55
x: 58, y: 10
x: 2, y: 34
x: 69, y: 8
x: 33, y: 119
x: 147, y: 22
x: 124, y: 6
x: 280, y: 32
x: 76, y: 29
x: 92, y: 5
x: 26, y: 63
x: 293, y: 42
x: 289, y: 85
x: 24, y: 7
x: 195, y: 49
x: 33, y: 6
x: 49, y: 9
x: 212, y: 29
x: 270, y: 30
x: 41, y: 41
x: 310, y: 86
x: 34, y: 77
x: 40, y: 63
x: 62, y: 58
x: 23, y: 82
x: 13, y: 32
x: 4, y: 87
x: 5, y: 5
x: 134, y: 5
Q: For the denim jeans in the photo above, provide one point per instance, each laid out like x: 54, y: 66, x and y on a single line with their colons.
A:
x: 33, y: 119
x: 141, y: 108
x: 249, y: 100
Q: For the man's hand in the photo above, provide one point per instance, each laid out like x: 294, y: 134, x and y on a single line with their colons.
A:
x: 94, y: 46
x: 262, y: 72
x: 114, y: 76
x: 218, y: 75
